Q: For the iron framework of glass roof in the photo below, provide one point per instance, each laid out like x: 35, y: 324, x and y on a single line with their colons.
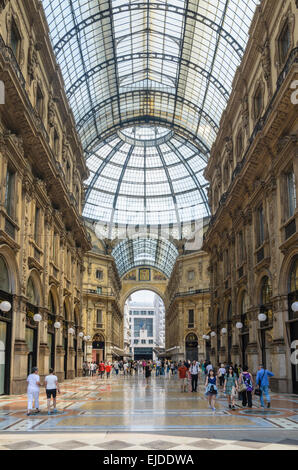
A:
x: 146, y: 176
x: 158, y: 253
x: 147, y: 82
x: 162, y: 61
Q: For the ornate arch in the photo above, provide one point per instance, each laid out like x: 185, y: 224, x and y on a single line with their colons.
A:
x: 9, y: 257
x: 55, y: 298
x: 35, y: 277
x: 142, y: 286
x: 66, y: 309
x: 285, y: 271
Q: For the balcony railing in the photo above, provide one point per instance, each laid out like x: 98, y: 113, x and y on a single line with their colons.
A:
x: 192, y: 292
x: 105, y: 291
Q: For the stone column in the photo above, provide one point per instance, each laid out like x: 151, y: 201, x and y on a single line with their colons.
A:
x: 44, y: 351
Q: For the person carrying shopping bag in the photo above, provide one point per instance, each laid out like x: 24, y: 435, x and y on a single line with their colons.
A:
x: 231, y: 387
x: 246, y: 387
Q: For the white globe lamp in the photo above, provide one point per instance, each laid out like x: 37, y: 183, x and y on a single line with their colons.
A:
x: 37, y: 317
x: 213, y: 334
x: 5, y: 306
x: 295, y: 307
x: 81, y: 335
x: 239, y: 325
x: 71, y: 331
x: 224, y: 331
x: 57, y: 325
x: 262, y: 317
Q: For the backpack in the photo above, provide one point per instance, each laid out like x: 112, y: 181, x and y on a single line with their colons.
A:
x: 247, y: 380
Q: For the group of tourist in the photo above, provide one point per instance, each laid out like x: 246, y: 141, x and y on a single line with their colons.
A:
x: 233, y: 380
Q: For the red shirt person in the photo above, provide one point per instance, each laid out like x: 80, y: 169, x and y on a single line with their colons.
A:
x: 101, y: 368
x: 108, y: 370
x: 182, y: 370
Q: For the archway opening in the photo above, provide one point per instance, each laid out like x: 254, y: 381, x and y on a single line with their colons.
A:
x: 144, y: 326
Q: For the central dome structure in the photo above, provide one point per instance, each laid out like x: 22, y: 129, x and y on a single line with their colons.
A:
x: 146, y: 175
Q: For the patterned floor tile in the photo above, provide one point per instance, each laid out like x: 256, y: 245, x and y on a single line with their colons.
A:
x: 161, y: 445
x: 206, y: 444
x: 251, y: 444
x: 68, y: 445
x: 115, y: 445
x: 289, y: 442
x: 23, y: 445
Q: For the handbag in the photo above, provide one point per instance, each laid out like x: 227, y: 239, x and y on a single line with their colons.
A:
x: 242, y: 388
x: 258, y: 391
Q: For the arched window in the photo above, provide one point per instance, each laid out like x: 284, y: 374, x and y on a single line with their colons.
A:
x: 266, y: 291
x: 293, y: 280
x: 244, y: 308
x: 4, y: 276
x: 284, y: 43
x: 31, y: 292
x: 52, y: 307
x: 65, y: 311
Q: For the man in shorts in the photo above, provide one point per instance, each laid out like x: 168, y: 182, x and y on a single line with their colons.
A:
x: 182, y: 377
x: 51, y: 385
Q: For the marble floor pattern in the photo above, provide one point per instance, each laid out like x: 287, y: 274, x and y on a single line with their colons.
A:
x: 121, y: 413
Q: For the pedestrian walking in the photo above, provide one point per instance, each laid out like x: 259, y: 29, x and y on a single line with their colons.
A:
x: 148, y: 370
x: 262, y: 381
x: 246, y: 387
x: 222, y: 371
x: 116, y: 367
x: 33, y: 390
x: 108, y: 369
x: 182, y: 370
x: 231, y: 387
x: 101, y: 369
x: 194, y: 372
x: 51, y: 386
x: 211, y: 388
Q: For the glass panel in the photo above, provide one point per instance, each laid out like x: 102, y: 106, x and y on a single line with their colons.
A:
x: 4, y: 276
x: 31, y: 294
x: 29, y: 335
x: 170, y: 62
x: 294, y: 277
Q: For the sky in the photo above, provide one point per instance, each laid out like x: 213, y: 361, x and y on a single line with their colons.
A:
x: 146, y: 296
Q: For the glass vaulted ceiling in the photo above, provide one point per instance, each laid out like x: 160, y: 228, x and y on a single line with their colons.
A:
x: 164, y: 63
x: 158, y: 253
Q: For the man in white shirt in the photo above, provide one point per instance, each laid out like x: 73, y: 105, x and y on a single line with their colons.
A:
x: 51, y: 386
x: 33, y: 389
x: 209, y: 367
x: 194, y: 371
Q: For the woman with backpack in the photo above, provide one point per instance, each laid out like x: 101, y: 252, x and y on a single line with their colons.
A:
x: 231, y: 387
x: 246, y: 387
x: 211, y: 389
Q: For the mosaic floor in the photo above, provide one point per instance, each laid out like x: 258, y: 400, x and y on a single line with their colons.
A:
x: 122, y: 413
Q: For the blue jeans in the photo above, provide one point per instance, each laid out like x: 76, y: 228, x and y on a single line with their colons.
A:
x: 265, y: 390
x: 157, y: 371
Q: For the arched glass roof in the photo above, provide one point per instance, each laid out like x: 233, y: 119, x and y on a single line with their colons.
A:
x: 158, y: 253
x: 148, y: 82
x: 163, y: 61
x: 146, y: 176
